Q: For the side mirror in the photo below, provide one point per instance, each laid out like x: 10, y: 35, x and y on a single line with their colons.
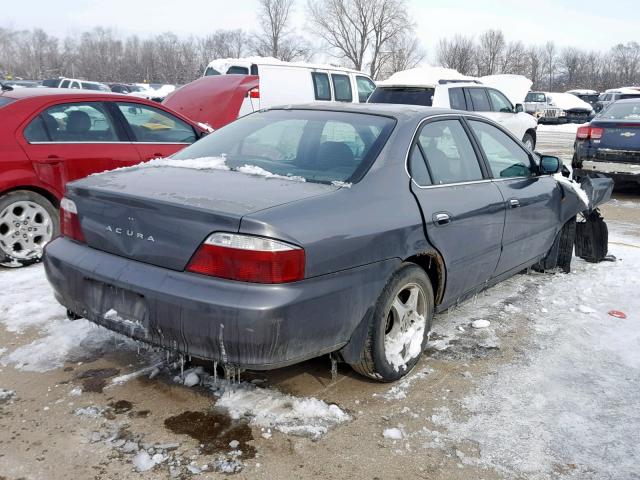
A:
x: 549, y: 165
x: 519, y: 108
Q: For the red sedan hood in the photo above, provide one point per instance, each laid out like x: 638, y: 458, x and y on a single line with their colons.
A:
x: 214, y: 100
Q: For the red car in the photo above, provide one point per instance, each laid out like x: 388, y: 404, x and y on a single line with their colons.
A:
x: 49, y: 137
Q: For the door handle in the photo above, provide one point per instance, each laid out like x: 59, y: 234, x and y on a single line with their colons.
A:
x: 50, y: 159
x: 514, y: 203
x: 441, y: 219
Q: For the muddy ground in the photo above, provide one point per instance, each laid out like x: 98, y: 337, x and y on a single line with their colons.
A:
x: 44, y: 435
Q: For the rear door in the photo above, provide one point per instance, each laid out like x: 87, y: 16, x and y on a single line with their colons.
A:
x: 69, y: 141
x: 463, y: 210
x: 154, y: 132
x: 531, y: 201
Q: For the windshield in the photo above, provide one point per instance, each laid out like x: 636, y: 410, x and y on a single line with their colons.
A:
x: 622, y: 111
x: 310, y: 145
x: 535, y: 97
x: 95, y: 86
x: 403, y: 95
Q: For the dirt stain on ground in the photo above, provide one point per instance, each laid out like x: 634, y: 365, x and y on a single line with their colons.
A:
x: 121, y: 406
x: 95, y: 380
x: 214, y: 430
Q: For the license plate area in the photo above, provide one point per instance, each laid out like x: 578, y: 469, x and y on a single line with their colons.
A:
x: 115, y: 304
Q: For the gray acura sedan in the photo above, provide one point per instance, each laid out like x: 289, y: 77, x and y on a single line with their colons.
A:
x: 301, y: 231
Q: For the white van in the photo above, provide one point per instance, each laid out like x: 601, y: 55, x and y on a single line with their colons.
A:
x: 282, y: 83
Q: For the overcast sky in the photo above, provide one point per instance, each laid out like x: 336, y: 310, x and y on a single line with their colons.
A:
x: 584, y: 23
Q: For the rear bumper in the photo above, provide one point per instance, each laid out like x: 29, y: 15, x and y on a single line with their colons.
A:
x: 619, y: 172
x: 248, y: 325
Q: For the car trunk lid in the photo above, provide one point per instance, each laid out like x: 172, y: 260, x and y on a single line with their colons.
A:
x: 214, y: 100
x: 619, y: 135
x: 161, y: 215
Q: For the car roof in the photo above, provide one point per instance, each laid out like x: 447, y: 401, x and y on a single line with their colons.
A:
x: 629, y: 100
x: 383, y: 109
x: 20, y: 93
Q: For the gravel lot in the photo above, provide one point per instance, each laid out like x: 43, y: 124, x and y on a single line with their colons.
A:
x: 549, y: 390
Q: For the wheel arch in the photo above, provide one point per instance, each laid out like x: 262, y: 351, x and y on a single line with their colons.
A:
x: 533, y: 133
x: 433, y: 264
x: 48, y: 194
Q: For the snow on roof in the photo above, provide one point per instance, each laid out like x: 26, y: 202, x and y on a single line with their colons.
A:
x: 225, y: 63
x: 515, y: 87
x: 579, y: 91
x: 566, y: 101
x: 623, y: 90
x: 427, y: 76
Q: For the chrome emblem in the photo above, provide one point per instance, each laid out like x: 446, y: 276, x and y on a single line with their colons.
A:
x: 130, y: 233
x: 627, y: 134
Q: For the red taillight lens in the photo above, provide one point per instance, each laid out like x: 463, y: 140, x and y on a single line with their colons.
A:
x: 69, y: 222
x: 254, y: 92
x: 583, y: 133
x: 596, y: 133
x: 248, y: 259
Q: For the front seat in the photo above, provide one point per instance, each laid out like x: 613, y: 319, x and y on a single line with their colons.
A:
x: 78, y: 125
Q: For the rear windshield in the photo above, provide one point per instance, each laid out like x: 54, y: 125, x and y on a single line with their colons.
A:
x: 622, y: 111
x: 403, y: 95
x: 5, y: 101
x: 309, y: 145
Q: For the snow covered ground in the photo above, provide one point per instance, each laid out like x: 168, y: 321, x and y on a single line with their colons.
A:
x: 562, y: 128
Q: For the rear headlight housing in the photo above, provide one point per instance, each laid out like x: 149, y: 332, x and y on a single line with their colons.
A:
x: 247, y: 258
x: 254, y: 92
x: 69, y: 221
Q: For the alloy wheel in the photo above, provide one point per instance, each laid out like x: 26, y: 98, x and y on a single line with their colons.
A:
x: 25, y: 228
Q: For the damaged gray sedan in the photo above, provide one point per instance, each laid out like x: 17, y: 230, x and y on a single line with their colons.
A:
x: 302, y: 231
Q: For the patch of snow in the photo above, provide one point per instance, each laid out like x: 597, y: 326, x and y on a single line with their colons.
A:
x: 269, y: 408
x: 76, y: 392
x: 399, y: 389
x: 338, y: 183
x: 562, y: 128
x: 234, y: 444
x: 427, y: 76
x: 143, y: 461
x: 138, y: 373
x: 191, y: 379
x: 6, y: 395
x: 409, y: 342
x: 90, y: 412
x: 480, y: 323
x: 566, y: 101
x: 261, y: 172
x: 202, y: 163
x: 393, y: 433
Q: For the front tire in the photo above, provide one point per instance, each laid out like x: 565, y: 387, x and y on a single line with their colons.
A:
x: 529, y: 142
x: 28, y: 221
x: 399, y: 329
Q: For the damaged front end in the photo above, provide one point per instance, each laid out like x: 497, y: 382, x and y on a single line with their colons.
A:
x: 592, y: 235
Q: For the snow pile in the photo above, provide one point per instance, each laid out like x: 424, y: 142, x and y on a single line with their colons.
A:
x: 427, y: 76
x: 6, y: 395
x: 515, y: 87
x: 399, y: 389
x: 202, y: 163
x: 567, y: 101
x: 570, y: 402
x: 401, y: 348
x: 268, y: 408
x: 261, y: 172
x: 143, y: 461
x: 393, y: 433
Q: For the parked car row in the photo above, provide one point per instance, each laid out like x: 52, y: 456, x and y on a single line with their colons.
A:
x: 552, y: 107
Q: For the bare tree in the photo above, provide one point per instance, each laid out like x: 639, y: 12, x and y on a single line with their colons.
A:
x: 405, y: 52
x: 572, y: 62
x: 359, y: 31
x: 275, y: 37
x: 550, y: 62
x: 458, y: 53
x: 490, y: 49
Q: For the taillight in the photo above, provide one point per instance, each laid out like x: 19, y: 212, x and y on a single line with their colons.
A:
x: 583, y: 133
x: 248, y: 259
x: 587, y: 132
x: 69, y: 222
x: 254, y: 92
x: 596, y: 133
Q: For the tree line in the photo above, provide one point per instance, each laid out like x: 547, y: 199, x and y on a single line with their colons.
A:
x: 376, y: 36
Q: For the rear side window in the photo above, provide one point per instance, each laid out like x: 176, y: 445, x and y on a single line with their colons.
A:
x: 365, y: 88
x: 321, y: 86
x: 72, y: 122
x: 64, y: 84
x: 506, y: 158
x: 479, y: 99
x: 342, y: 88
x: 153, y: 125
x: 403, y: 95
x: 449, y: 154
x: 316, y: 146
x: 235, y: 70
x: 456, y: 99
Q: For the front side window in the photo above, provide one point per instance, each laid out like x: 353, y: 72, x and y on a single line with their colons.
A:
x: 479, y: 99
x: 506, y: 158
x: 450, y: 156
x: 342, y: 88
x: 321, y: 86
x: 499, y: 102
x: 152, y: 125
x: 365, y: 88
x: 316, y: 146
x: 72, y: 122
x: 456, y: 99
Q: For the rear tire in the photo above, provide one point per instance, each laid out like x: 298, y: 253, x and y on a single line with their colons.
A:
x: 28, y: 221
x: 398, y: 331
